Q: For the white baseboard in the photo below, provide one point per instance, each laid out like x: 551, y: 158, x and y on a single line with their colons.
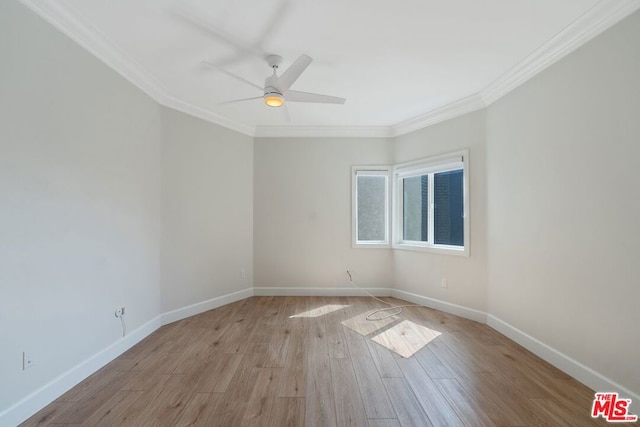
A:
x: 319, y: 292
x: 201, y: 307
x: 46, y: 394
x: 447, y: 307
x: 577, y: 370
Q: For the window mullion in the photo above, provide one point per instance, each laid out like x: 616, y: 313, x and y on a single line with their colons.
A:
x: 399, y: 209
x: 431, y: 210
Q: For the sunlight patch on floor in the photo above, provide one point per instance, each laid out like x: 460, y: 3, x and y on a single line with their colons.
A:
x: 406, y: 338
x: 361, y: 325
x: 320, y: 311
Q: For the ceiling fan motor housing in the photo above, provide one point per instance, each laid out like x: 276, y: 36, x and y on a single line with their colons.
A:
x: 272, y: 96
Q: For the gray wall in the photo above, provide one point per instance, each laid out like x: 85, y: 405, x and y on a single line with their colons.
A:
x: 564, y: 205
x: 207, y: 211
x: 421, y: 272
x: 79, y: 203
x: 302, y: 213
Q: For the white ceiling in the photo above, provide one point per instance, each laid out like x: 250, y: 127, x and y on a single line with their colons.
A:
x: 401, y: 65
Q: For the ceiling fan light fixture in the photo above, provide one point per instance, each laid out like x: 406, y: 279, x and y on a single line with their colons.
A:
x: 273, y: 99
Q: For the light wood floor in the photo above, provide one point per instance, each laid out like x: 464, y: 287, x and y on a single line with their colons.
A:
x: 251, y: 363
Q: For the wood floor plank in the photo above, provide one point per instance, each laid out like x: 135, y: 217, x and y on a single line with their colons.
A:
x: 376, y: 401
x: 405, y: 403
x: 142, y: 380
x: 319, y: 402
x: 435, y: 405
x: 215, y: 374
x: 94, y: 383
x: 516, y: 398
x: 289, y: 412
x: 277, y: 347
x: 134, y: 414
x: 231, y: 408
x: 44, y: 416
x: 262, y: 403
x: 77, y: 412
x: 384, y: 360
x: 470, y: 412
x: 112, y: 409
x: 483, y: 395
x: 475, y: 355
x: 335, y: 336
x: 553, y: 412
x: 291, y: 361
x: 198, y: 409
x: 384, y: 422
x: 432, y: 365
x: 293, y: 379
x: 169, y: 404
x: 243, y: 324
x: 156, y: 362
x: 349, y: 407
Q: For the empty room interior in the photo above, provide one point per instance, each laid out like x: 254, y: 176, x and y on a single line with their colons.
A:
x: 299, y: 213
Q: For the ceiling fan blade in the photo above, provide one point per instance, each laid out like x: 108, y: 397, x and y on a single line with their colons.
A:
x: 239, y: 100
x: 228, y: 60
x: 296, y: 96
x: 292, y: 73
x: 276, y: 19
x: 285, y: 112
x: 195, y: 19
x: 230, y: 74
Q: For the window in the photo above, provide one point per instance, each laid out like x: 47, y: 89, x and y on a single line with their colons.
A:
x: 371, y: 206
x: 430, y: 205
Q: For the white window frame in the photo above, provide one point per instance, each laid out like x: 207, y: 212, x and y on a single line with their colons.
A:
x: 379, y: 170
x: 441, y: 163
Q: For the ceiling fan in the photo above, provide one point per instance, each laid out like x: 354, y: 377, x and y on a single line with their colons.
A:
x: 277, y: 89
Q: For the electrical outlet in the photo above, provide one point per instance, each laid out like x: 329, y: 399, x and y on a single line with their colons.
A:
x: 444, y: 282
x: 120, y: 312
x: 243, y: 274
x: 27, y: 361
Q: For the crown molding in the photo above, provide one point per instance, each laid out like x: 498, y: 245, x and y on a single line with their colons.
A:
x: 593, y: 22
x: 323, y: 131
x: 446, y: 112
x: 599, y: 18
x: 201, y: 113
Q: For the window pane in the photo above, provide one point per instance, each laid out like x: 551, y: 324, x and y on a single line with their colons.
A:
x: 449, y: 209
x: 415, y: 209
x: 372, y: 193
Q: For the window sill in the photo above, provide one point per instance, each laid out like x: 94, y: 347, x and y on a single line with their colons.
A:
x: 371, y: 245
x: 442, y: 250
